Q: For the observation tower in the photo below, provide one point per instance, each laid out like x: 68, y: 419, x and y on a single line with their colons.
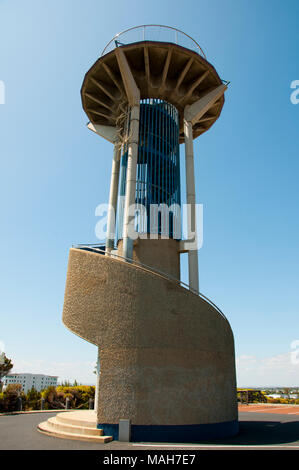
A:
x: 166, y: 352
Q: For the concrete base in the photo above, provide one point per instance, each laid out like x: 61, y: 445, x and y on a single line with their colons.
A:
x: 192, y: 433
x: 167, y: 355
x: 77, y: 425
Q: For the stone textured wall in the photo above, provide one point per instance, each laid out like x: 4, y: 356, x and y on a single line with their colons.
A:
x: 167, y: 356
x: 161, y: 254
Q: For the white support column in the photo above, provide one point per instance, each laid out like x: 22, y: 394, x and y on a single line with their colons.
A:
x: 131, y: 179
x: 111, y: 218
x: 133, y: 95
x: 110, y: 133
x: 190, y: 190
x: 192, y: 114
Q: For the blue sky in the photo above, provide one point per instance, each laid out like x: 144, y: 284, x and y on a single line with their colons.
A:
x: 54, y: 172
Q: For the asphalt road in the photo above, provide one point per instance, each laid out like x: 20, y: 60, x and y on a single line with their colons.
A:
x: 257, y: 431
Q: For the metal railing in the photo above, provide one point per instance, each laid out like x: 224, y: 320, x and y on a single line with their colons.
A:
x: 145, y: 267
x: 153, y: 32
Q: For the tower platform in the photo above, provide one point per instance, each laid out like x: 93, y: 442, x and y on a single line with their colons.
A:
x: 161, y: 70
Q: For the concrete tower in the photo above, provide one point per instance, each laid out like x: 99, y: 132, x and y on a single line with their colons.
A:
x: 166, y: 352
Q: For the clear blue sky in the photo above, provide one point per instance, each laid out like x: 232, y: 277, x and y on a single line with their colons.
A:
x: 54, y: 172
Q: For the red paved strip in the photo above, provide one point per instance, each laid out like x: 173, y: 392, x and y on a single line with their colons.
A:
x: 277, y: 409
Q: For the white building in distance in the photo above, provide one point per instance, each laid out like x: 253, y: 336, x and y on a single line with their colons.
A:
x: 38, y: 381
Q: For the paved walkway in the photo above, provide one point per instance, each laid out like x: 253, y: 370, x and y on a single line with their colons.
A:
x: 262, y: 430
x: 270, y: 408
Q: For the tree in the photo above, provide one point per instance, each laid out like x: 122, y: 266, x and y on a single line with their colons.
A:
x: 53, y: 400
x: 11, y: 395
x: 5, y: 366
x: 287, y: 391
x: 33, y: 399
x: 66, y: 383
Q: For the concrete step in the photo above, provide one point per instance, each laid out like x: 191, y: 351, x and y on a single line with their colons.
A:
x: 67, y: 427
x: 48, y: 429
x: 78, y: 418
x: 79, y: 425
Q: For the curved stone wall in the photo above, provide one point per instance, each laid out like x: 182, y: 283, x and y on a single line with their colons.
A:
x: 167, y: 356
x: 161, y: 254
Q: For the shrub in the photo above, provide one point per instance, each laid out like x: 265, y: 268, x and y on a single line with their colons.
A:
x: 52, y: 399
x: 253, y: 396
x: 10, y: 396
x: 79, y: 395
x: 33, y: 400
x: 55, y: 398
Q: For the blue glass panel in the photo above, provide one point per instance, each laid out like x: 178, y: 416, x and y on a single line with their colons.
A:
x: 158, y: 167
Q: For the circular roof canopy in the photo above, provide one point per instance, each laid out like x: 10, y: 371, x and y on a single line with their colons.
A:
x: 161, y: 70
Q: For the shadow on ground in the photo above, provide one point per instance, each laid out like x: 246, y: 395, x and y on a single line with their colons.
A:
x: 262, y: 433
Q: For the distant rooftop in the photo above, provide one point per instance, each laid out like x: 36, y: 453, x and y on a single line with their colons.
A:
x: 29, y: 373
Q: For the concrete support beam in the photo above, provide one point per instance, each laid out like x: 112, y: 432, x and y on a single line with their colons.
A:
x: 111, y: 218
x: 192, y: 114
x: 108, y: 132
x: 132, y: 91
x: 190, y: 189
x: 131, y: 180
x: 195, y: 111
x: 133, y: 95
x: 183, y: 246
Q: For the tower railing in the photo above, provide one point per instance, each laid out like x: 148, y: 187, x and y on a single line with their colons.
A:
x: 95, y: 249
x: 153, y: 32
